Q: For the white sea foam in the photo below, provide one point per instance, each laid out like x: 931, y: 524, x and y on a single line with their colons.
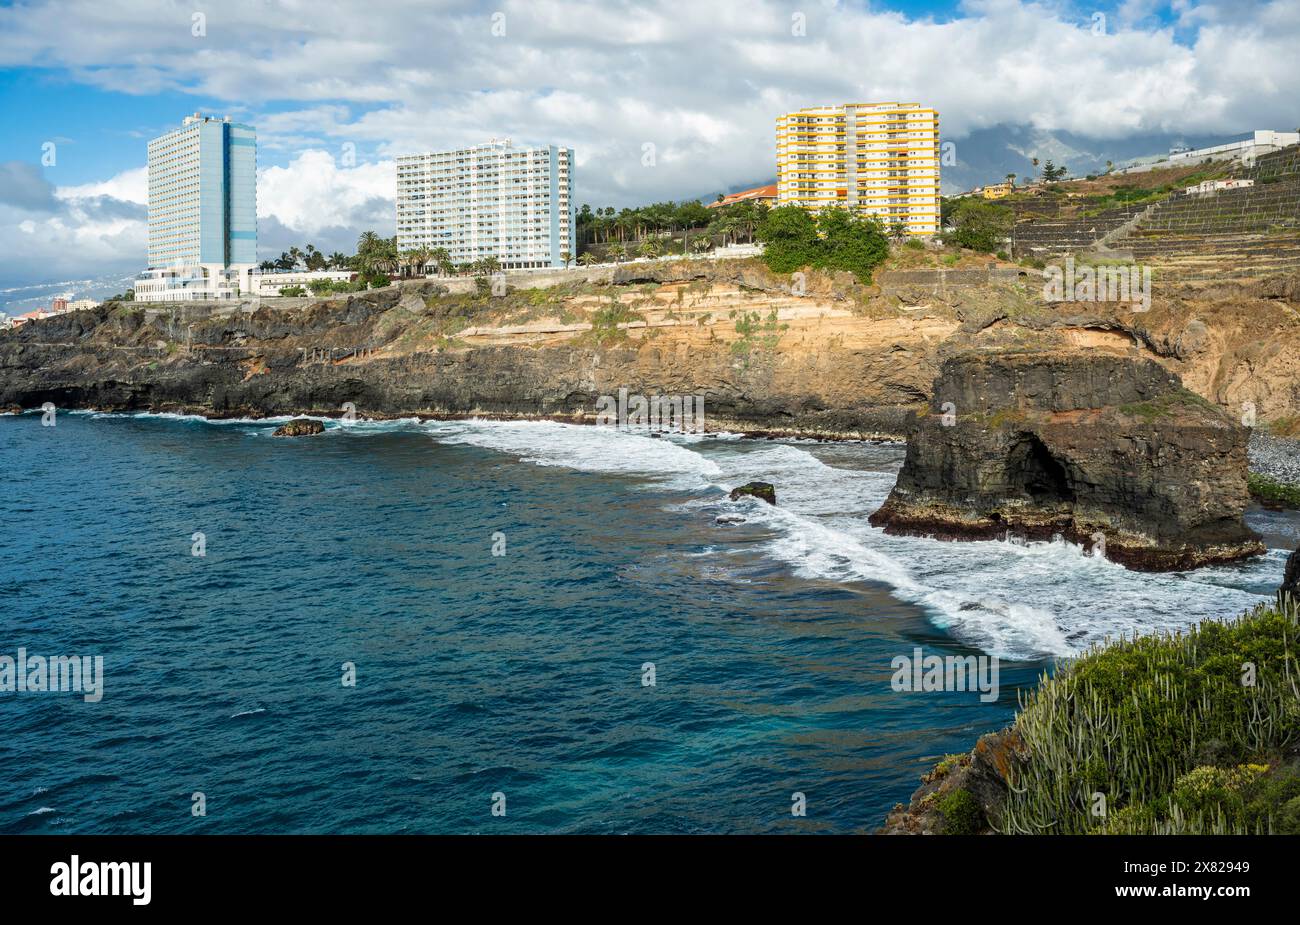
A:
x: 1010, y: 599
x: 584, y: 448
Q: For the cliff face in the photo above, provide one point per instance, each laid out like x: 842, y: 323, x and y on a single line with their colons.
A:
x: 1109, y: 452
x: 823, y: 355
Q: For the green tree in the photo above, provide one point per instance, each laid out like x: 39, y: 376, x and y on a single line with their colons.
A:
x: 835, y: 240
x: 851, y: 242
x: 789, y: 236
x: 979, y: 225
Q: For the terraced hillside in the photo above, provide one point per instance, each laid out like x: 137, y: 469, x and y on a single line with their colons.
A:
x: 1247, y: 232
x: 1052, y: 237
x: 1063, y: 218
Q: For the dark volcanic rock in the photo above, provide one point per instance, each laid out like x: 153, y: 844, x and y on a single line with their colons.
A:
x: 1109, y: 452
x: 300, y: 427
x: 763, y: 490
x: 1291, y: 580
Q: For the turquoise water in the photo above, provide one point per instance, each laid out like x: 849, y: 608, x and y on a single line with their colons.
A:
x: 518, y: 674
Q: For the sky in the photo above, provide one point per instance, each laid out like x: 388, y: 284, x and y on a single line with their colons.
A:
x: 660, y: 99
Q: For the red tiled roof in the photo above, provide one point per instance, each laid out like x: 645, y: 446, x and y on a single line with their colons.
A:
x: 758, y: 192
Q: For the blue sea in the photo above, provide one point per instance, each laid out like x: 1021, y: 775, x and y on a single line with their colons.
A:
x: 515, y: 679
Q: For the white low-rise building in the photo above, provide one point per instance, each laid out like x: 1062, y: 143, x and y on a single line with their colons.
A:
x: 268, y: 283
x: 188, y: 283
x: 1245, y: 150
x: 1210, y: 187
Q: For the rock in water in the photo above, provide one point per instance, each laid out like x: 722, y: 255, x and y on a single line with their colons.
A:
x: 763, y: 490
x: 1291, y: 581
x: 299, y: 427
x: 1109, y: 452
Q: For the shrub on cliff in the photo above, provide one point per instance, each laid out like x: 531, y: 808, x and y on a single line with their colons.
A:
x: 835, y: 240
x: 1189, y: 733
x: 1273, y: 494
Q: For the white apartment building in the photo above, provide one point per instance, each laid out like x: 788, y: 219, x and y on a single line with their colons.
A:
x: 876, y: 159
x: 493, y: 200
x: 202, y: 211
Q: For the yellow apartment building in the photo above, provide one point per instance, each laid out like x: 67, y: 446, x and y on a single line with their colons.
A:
x: 878, y: 159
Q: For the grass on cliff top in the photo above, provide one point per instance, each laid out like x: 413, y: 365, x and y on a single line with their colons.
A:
x: 1273, y: 494
x: 1188, y: 733
x: 1166, y: 405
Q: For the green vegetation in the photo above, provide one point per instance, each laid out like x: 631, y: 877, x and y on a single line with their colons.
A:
x: 605, y: 322
x: 1052, y: 173
x: 834, y: 240
x: 755, y: 331
x: 292, y: 292
x: 1165, y: 405
x: 961, y: 813
x: 1273, y: 494
x: 665, y: 228
x: 321, y: 287
x: 978, y: 225
x: 1169, y: 734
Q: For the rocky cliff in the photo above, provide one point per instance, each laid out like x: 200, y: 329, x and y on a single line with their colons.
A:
x: 817, y: 355
x: 1109, y: 452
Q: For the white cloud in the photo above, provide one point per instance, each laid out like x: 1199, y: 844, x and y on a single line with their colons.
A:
x: 128, y: 186
x: 313, y: 192
x: 702, y: 82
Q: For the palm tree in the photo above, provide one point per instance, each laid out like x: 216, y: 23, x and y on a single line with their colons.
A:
x: 442, y: 257
x: 702, y: 244
x: 1011, y: 179
x: 338, y: 261
x: 587, y: 258
x: 616, y: 251
x: 567, y: 258
x: 650, y: 247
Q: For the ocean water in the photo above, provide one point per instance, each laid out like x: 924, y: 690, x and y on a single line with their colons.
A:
x: 517, y: 674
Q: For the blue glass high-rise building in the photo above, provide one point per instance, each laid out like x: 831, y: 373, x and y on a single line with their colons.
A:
x: 202, y: 211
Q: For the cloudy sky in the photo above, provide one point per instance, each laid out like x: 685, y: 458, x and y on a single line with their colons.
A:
x: 336, y: 90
